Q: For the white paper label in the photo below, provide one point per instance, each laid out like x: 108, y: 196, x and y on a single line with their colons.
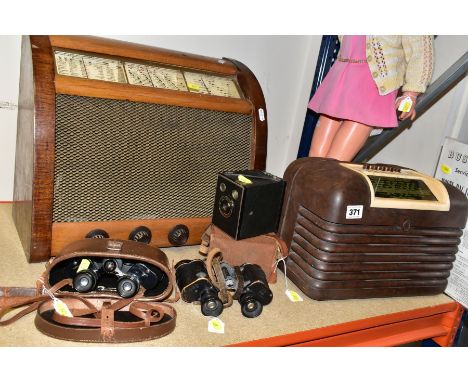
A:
x: 261, y: 114
x: 405, y: 105
x: 354, y: 212
x: 215, y: 325
x: 293, y: 296
x: 62, y: 308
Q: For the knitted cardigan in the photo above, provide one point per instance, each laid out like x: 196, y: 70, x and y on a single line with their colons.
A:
x: 400, y: 60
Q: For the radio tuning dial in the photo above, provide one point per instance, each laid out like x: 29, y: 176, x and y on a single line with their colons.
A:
x: 97, y: 234
x: 178, y: 235
x: 141, y: 234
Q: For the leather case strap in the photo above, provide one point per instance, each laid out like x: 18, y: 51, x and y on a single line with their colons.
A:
x: 13, y: 298
x: 104, y: 320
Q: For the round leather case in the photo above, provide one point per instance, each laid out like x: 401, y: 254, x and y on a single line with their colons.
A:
x: 68, y: 262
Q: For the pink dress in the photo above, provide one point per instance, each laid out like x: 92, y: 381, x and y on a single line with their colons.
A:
x: 349, y: 91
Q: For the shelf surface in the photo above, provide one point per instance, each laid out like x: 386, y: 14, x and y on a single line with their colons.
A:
x: 359, y: 322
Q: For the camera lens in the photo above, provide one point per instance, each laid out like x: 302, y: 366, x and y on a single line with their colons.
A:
x: 127, y: 287
x: 84, y: 282
x: 226, y: 206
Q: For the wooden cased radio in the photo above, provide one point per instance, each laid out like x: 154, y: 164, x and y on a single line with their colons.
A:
x: 115, y: 136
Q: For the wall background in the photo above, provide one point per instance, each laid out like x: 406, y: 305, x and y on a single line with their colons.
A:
x: 284, y: 66
x: 10, y: 46
x: 419, y: 146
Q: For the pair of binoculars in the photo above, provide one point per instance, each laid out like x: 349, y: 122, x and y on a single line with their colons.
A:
x: 195, y: 285
x: 255, y: 293
x: 130, y: 276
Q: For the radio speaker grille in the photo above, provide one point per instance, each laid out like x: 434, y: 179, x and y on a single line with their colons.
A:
x: 121, y: 160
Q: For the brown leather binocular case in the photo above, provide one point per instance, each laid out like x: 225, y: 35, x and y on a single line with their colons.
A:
x: 264, y: 250
x: 101, y: 314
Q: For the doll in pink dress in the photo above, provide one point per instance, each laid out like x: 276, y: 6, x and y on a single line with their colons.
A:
x: 350, y: 104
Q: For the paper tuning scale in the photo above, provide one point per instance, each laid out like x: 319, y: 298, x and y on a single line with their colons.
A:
x: 114, y: 70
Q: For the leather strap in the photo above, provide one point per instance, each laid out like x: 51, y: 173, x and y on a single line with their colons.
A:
x: 176, y: 295
x: 104, y: 322
x: 205, y: 241
x: 216, y: 276
x: 94, y: 318
x: 31, y: 303
x: 240, y: 283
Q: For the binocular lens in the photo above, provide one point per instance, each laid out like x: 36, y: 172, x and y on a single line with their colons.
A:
x: 127, y: 287
x: 84, y: 282
x: 251, y: 308
x: 110, y: 266
x: 212, y: 307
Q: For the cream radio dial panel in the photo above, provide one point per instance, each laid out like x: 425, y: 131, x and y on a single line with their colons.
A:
x: 392, y: 187
x: 76, y: 64
x: 213, y: 85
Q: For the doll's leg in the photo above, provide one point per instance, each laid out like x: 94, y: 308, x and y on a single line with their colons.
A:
x: 324, y: 133
x: 349, y: 140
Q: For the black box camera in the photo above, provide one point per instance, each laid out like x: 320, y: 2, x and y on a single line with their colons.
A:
x: 248, y: 203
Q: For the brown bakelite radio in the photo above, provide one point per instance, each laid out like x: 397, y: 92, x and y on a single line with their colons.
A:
x: 369, y: 230
x: 125, y: 140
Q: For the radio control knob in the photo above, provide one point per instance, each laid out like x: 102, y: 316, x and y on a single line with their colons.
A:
x: 97, y: 234
x: 178, y: 235
x: 141, y: 234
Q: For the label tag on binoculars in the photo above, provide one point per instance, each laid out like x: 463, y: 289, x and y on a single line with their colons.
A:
x: 62, y: 308
x: 293, y: 296
x: 59, y: 306
x: 215, y: 325
x: 84, y: 265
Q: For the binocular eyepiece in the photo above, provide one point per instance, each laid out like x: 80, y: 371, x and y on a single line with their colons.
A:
x: 256, y: 291
x: 130, y: 276
x: 195, y: 285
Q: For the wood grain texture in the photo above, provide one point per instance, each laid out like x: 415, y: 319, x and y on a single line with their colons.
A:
x: 35, y: 160
x: 66, y: 233
x: 44, y: 143
x: 124, y: 49
x: 102, y: 89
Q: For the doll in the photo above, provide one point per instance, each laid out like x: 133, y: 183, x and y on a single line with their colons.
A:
x: 359, y: 93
